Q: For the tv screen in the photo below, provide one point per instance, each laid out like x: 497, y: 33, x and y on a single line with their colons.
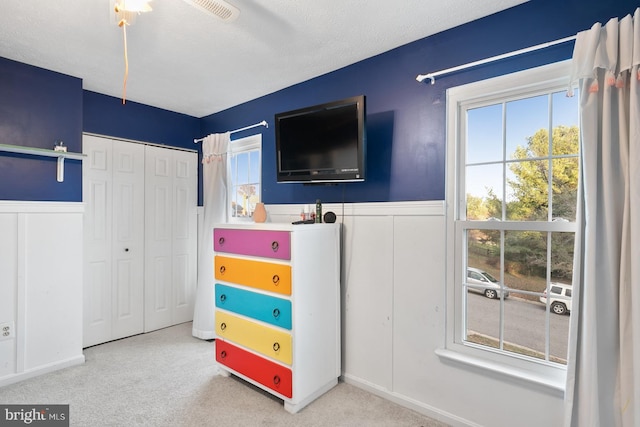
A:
x: 322, y: 143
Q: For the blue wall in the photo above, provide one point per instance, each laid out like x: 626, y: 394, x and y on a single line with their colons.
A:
x: 406, y: 120
x: 38, y: 107
x: 105, y: 115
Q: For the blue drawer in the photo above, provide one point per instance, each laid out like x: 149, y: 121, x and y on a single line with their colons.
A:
x: 272, y: 310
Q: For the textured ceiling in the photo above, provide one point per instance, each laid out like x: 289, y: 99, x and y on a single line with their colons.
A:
x: 184, y: 60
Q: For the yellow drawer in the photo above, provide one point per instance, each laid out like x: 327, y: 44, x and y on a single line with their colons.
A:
x: 263, y: 339
x: 256, y: 274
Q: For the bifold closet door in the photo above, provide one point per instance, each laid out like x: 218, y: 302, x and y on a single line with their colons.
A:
x: 170, y: 236
x: 113, y: 193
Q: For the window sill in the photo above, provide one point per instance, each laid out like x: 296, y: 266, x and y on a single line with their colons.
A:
x: 554, y: 385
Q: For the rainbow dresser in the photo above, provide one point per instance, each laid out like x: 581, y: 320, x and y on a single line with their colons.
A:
x: 278, y: 307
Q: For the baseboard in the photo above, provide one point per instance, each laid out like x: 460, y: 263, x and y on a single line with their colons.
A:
x: 407, y: 402
x: 41, y: 370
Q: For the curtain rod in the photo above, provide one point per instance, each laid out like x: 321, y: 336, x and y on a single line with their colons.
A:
x: 262, y: 123
x: 422, y: 77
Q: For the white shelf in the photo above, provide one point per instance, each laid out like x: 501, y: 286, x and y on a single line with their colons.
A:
x: 43, y: 152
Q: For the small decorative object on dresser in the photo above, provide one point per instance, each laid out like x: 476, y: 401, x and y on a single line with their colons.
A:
x: 278, y: 307
x: 260, y: 213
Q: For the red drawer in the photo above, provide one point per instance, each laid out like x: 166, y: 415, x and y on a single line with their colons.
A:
x: 269, y: 374
x: 262, y: 243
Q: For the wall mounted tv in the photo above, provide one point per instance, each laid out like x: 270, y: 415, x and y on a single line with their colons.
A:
x: 322, y: 143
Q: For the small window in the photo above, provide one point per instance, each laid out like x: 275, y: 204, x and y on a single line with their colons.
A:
x: 244, y: 180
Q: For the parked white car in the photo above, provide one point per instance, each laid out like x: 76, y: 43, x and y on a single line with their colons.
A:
x: 488, y: 285
x: 560, y: 298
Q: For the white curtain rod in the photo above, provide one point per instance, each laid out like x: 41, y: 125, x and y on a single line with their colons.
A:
x: 422, y: 77
x: 262, y: 123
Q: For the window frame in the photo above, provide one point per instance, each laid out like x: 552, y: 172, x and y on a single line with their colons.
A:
x: 544, y: 79
x: 238, y: 146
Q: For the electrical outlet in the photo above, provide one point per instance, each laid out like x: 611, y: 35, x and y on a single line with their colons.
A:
x: 7, y: 331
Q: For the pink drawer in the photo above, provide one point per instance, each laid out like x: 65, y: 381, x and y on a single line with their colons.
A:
x: 262, y: 243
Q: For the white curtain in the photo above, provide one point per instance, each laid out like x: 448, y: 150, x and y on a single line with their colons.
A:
x: 603, y: 371
x: 214, y: 183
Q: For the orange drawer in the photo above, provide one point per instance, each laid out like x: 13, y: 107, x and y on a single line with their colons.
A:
x: 256, y: 274
x: 269, y: 374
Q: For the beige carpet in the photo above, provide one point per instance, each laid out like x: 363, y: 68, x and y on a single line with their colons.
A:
x: 168, y: 378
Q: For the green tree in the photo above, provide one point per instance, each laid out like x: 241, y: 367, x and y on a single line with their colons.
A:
x: 530, y: 185
x: 528, y: 200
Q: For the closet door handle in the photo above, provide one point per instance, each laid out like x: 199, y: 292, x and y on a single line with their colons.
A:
x: 275, y: 246
x: 276, y: 313
x: 223, y: 326
x: 276, y: 346
x: 221, y: 241
x: 276, y: 279
x: 223, y: 298
x: 222, y: 269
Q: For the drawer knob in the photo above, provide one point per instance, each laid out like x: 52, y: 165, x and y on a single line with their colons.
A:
x: 276, y: 379
x: 223, y: 326
x: 276, y: 346
x: 276, y: 279
x: 221, y: 241
x: 275, y: 246
x: 276, y: 313
x: 223, y: 354
x: 223, y: 298
x: 222, y: 269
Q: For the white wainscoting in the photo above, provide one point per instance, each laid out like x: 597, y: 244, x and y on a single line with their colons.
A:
x: 41, y: 288
x: 393, y: 319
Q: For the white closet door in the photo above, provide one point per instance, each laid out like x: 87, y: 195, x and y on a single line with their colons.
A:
x: 170, y: 237
x: 185, y: 225
x: 158, y: 203
x: 128, y: 239
x: 113, y: 192
x: 97, y: 197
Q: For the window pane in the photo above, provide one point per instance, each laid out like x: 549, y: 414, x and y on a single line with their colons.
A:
x: 565, y: 110
x: 565, y: 188
x: 233, y: 168
x: 562, y: 246
x: 525, y: 260
x: 525, y: 118
x: 528, y: 191
x: 483, y: 320
x: 484, y: 192
x: 558, y: 338
x: 530, y: 340
x: 484, y: 134
x: 483, y: 263
x: 243, y: 168
x: 254, y: 170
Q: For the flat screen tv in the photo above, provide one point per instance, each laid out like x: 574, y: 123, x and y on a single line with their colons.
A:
x: 322, y: 143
